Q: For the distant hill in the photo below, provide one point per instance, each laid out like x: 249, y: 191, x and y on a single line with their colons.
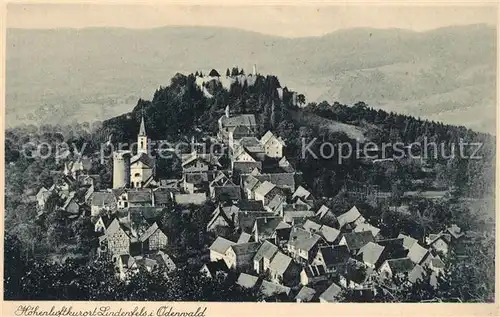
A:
x: 91, y: 74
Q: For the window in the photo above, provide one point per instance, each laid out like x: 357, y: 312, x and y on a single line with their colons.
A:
x: 125, y: 204
x: 137, y: 174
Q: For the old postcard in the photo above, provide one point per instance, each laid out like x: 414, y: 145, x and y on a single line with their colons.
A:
x: 181, y: 156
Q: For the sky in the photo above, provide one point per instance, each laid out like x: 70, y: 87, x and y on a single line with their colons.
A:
x: 292, y: 20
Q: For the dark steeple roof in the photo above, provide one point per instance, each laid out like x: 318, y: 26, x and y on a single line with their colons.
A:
x: 142, y: 129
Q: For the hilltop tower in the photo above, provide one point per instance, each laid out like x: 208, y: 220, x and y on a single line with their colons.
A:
x: 121, y: 168
x: 142, y: 138
x: 254, y: 70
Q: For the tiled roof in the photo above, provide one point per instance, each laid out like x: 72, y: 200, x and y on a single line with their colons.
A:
x: 247, y: 120
x: 143, y: 158
x: 371, y: 253
x: 416, y: 273
x: 246, y: 220
x: 328, y: 233
x: 264, y: 188
x: 216, y: 266
x: 314, y: 270
x: 267, y: 250
x: 349, y: 217
x: 247, y: 280
x: 408, y: 241
x: 311, y: 225
x: 149, y: 232
x: 301, y: 192
x: 356, y: 240
x: 330, y: 294
x: 220, y: 245
x: 402, y: 265
x: 250, y: 205
x: 196, y: 178
x: 245, y: 248
x: 305, y: 294
x: 103, y: 199
x: 244, y: 238
x: 335, y: 255
x: 367, y: 227
x: 280, y: 263
x: 302, y: 239
x: 269, y: 289
x: 417, y: 253
x: 139, y: 195
x: 266, y: 226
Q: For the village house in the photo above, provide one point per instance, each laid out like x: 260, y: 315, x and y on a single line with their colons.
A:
x: 251, y: 146
x: 270, y: 289
x: 240, y: 256
x: 330, y: 235
x: 355, y: 276
x: 351, y: 218
x: 273, y: 146
x: 214, y: 268
x: 222, y: 187
x: 312, y: 274
x: 197, y: 199
x: 408, y: 241
x: 165, y: 261
x: 272, y: 229
x: 247, y: 280
x: 418, y: 254
x: 365, y: 226
x: 263, y: 257
x: 305, y: 295
x: 71, y: 205
x: 153, y: 239
x: 356, y: 240
x: 284, y: 270
x: 228, y: 123
x: 440, y: 242
x: 102, y: 223
x: 371, y: 254
x: 118, y: 241
x: 127, y: 266
x: 303, y: 194
x: 195, y: 182
x: 267, y: 191
x: 219, y: 248
x: 332, y: 257
x: 331, y: 294
x: 394, y: 267
x: 325, y: 216
x: 42, y: 196
x: 303, y: 244
x: 102, y: 201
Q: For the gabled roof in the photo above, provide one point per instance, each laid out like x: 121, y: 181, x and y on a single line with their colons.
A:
x: 266, y: 226
x: 245, y: 248
x: 250, y: 205
x: 267, y: 250
x: 269, y: 289
x: 328, y: 233
x: 303, y: 240
x: 268, y: 136
x: 401, y: 265
x: 220, y: 245
x: 334, y: 255
x: 356, y: 240
x: 455, y: 231
x: 416, y: 273
x: 264, y: 188
x: 371, y: 253
x: 305, y: 294
x: 149, y: 232
x: 113, y: 227
x: 314, y: 270
x: 164, y: 259
x: 302, y: 193
x: 367, y: 227
x: 277, y: 201
x: 250, y: 181
x: 161, y: 196
x: 247, y: 280
x: 310, y: 225
x: 247, y: 120
x: 216, y: 266
x: 279, y: 179
x: 417, y: 253
x: 244, y: 238
x: 246, y: 221
x: 102, y: 199
x: 143, y: 158
x: 196, y: 178
x: 349, y: 217
x: 280, y: 263
x: 322, y: 211
x: 139, y: 195
x: 331, y: 293
x: 408, y: 241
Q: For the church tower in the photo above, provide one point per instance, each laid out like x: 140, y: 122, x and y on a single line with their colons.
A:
x: 142, y: 139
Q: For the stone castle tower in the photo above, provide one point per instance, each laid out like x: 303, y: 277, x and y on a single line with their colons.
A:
x: 121, y: 168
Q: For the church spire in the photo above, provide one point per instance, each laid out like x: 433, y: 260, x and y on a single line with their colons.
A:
x: 142, y: 129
